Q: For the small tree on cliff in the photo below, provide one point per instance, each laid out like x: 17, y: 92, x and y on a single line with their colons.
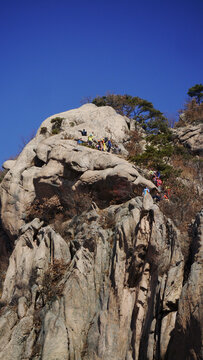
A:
x: 192, y: 113
x: 143, y: 111
x: 196, y: 92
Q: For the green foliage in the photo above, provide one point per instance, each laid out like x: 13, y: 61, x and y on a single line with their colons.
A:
x: 56, y: 127
x: 55, y: 131
x: 160, y: 139
x: 72, y: 124
x: 154, y: 158
x: 196, y: 91
x: 43, y: 130
x: 57, y: 120
x: 87, y: 145
x: 183, y: 152
x: 143, y: 111
x: 159, y: 150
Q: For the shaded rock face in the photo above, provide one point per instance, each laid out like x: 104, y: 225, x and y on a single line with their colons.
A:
x: 186, y: 338
x: 5, y: 252
x: 106, y: 279
x: 191, y: 137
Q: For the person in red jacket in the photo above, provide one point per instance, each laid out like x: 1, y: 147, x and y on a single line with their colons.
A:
x: 159, y: 183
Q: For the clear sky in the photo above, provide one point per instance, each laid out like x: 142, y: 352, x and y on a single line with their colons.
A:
x: 55, y: 52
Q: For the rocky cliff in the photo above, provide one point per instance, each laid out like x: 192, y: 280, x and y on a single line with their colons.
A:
x: 95, y: 270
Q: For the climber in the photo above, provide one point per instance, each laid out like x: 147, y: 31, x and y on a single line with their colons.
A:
x: 84, y: 132
x: 156, y: 197
x: 104, y: 145
x: 168, y: 191
x: 145, y: 191
x: 165, y: 197
x: 157, y: 174
x: 151, y: 173
x: 90, y: 139
x: 116, y: 149
x: 109, y: 145
x: 79, y: 142
x: 101, y: 148
x: 159, y: 184
x: 154, y: 179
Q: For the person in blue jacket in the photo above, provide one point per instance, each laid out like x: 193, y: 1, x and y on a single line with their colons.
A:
x: 145, y: 191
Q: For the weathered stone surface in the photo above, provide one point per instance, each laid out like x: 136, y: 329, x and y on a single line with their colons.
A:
x: 7, y: 165
x: 103, y: 281
x: 30, y: 259
x: 147, y: 202
x: 186, y: 338
x: 67, y: 166
x: 191, y: 137
x: 106, y: 287
x: 100, y: 121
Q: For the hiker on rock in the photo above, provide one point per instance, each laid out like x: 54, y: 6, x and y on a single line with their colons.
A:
x: 168, y: 191
x: 157, y: 197
x: 90, y: 139
x: 165, y: 197
x: 116, y: 149
x: 104, y: 145
x: 109, y: 145
x: 159, y: 184
x: 101, y: 145
x: 84, y: 132
x: 145, y: 191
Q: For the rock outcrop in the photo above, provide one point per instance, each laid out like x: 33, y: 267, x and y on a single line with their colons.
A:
x: 96, y: 270
x: 191, y: 137
x: 54, y: 165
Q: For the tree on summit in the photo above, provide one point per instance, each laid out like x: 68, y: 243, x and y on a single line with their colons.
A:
x: 196, y: 91
x: 141, y: 110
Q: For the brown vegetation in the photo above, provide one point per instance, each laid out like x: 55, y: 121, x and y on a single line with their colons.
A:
x: 52, y: 278
x: 133, y: 145
x: 191, y: 114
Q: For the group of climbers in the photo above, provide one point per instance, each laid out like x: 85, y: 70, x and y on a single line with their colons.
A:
x: 163, y: 193
x: 103, y: 144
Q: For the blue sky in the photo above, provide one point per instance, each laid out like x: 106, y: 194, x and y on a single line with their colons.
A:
x: 55, y: 52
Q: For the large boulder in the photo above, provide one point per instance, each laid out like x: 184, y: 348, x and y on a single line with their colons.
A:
x: 101, y: 121
x: 55, y: 165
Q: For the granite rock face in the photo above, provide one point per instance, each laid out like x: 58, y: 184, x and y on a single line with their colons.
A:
x: 54, y: 165
x: 186, y: 340
x: 115, y: 269
x: 96, y: 270
x: 191, y: 137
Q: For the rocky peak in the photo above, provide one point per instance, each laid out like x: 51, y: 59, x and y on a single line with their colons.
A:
x: 97, y: 271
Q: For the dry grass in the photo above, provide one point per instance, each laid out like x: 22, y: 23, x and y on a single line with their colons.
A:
x: 184, y: 204
x: 52, y: 277
x: 191, y: 167
x: 193, y: 114
x: 133, y: 146
x: 56, y: 210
